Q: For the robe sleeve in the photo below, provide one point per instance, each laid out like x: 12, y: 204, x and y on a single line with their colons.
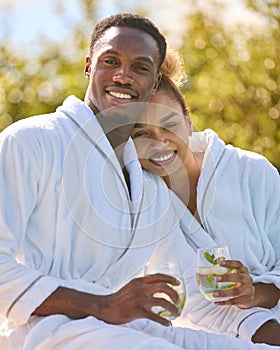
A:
x: 268, y: 193
x: 265, y: 193
x: 22, y: 288
x: 198, y: 312
x: 195, y: 339
x: 230, y: 320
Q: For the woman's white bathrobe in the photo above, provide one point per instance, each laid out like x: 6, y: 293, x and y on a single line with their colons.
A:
x: 67, y: 219
x: 238, y: 201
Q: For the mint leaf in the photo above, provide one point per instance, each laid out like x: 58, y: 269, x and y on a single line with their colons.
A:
x: 212, y: 259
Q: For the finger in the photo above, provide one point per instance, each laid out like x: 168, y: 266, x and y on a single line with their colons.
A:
x: 234, y: 264
x: 245, y: 293
x: 161, y: 309
x: 166, y: 305
x: 164, y: 291
x: 160, y: 277
x: 156, y: 318
x: 170, y: 292
x: 241, y: 302
x: 242, y: 278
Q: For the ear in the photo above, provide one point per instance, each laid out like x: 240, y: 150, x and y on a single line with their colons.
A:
x: 189, y: 125
x: 87, y: 67
x: 157, y: 81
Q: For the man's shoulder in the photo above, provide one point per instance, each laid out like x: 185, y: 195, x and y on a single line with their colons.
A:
x: 35, y: 126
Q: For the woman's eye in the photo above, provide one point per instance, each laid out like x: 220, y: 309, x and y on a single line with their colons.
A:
x: 169, y: 126
x: 139, y: 134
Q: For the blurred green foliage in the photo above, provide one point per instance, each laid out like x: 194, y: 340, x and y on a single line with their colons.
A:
x: 233, y: 81
x: 233, y: 84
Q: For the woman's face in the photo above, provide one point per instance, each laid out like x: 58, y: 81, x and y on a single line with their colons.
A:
x: 161, y: 136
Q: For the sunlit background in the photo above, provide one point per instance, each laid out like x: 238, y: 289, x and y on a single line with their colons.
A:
x: 230, y: 51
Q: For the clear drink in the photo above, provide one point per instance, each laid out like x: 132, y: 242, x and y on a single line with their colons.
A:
x: 208, y: 269
x: 172, y: 269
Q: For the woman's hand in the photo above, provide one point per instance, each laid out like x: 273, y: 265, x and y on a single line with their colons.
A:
x: 243, y: 295
x: 246, y: 294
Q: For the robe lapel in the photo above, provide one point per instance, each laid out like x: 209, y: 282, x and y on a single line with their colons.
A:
x: 88, y: 124
x: 194, y: 232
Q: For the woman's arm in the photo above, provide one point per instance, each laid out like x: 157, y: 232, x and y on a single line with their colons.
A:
x: 266, y: 295
x: 268, y: 333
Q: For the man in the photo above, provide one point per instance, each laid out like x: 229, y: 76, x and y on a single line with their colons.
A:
x: 79, y: 219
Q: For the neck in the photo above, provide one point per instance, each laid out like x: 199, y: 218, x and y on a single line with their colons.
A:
x: 118, y: 136
x: 116, y: 122
x: 116, y: 132
x: 184, y: 182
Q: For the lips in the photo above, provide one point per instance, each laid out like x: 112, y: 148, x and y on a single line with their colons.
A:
x: 163, y: 158
x: 120, y: 95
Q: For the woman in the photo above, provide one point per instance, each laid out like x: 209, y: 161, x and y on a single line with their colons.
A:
x: 232, y: 195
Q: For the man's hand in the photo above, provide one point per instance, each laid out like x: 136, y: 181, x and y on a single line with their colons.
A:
x: 135, y: 300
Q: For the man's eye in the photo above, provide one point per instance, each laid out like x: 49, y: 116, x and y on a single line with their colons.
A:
x: 110, y: 61
x: 141, y: 68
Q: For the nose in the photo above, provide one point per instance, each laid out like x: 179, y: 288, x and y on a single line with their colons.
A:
x: 123, y: 76
x: 159, y: 139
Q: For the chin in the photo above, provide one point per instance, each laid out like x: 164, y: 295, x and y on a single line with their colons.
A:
x: 158, y: 172
x: 123, y: 114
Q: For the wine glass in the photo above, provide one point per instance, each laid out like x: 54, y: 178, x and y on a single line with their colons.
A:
x: 207, y: 268
x: 171, y: 269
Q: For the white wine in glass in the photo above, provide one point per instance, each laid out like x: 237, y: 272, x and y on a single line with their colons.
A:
x: 171, y: 269
x: 208, y: 268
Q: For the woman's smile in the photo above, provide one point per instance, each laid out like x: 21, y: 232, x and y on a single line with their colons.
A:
x: 163, y: 159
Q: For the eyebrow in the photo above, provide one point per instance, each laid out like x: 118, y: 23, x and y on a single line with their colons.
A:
x: 140, y: 58
x: 162, y: 120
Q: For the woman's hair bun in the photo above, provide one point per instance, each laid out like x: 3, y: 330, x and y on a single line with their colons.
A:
x: 172, y: 67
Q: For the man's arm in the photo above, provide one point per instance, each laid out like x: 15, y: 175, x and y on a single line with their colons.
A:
x: 135, y: 300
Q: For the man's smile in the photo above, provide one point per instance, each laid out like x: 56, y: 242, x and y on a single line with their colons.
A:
x: 120, y: 95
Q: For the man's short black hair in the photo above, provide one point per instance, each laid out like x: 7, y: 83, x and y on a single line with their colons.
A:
x: 131, y: 21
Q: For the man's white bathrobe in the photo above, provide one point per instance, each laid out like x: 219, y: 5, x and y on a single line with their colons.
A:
x: 238, y: 201
x: 68, y: 219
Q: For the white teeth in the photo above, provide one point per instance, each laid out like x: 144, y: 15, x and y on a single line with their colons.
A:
x: 163, y: 158
x: 120, y: 95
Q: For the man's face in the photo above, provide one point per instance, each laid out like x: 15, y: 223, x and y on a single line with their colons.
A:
x: 122, y: 69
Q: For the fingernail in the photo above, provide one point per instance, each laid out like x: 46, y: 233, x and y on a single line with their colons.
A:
x: 223, y: 263
x: 215, y: 294
x: 218, y: 278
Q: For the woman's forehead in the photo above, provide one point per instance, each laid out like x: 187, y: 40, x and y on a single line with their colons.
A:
x: 156, y: 113
x: 163, y: 98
